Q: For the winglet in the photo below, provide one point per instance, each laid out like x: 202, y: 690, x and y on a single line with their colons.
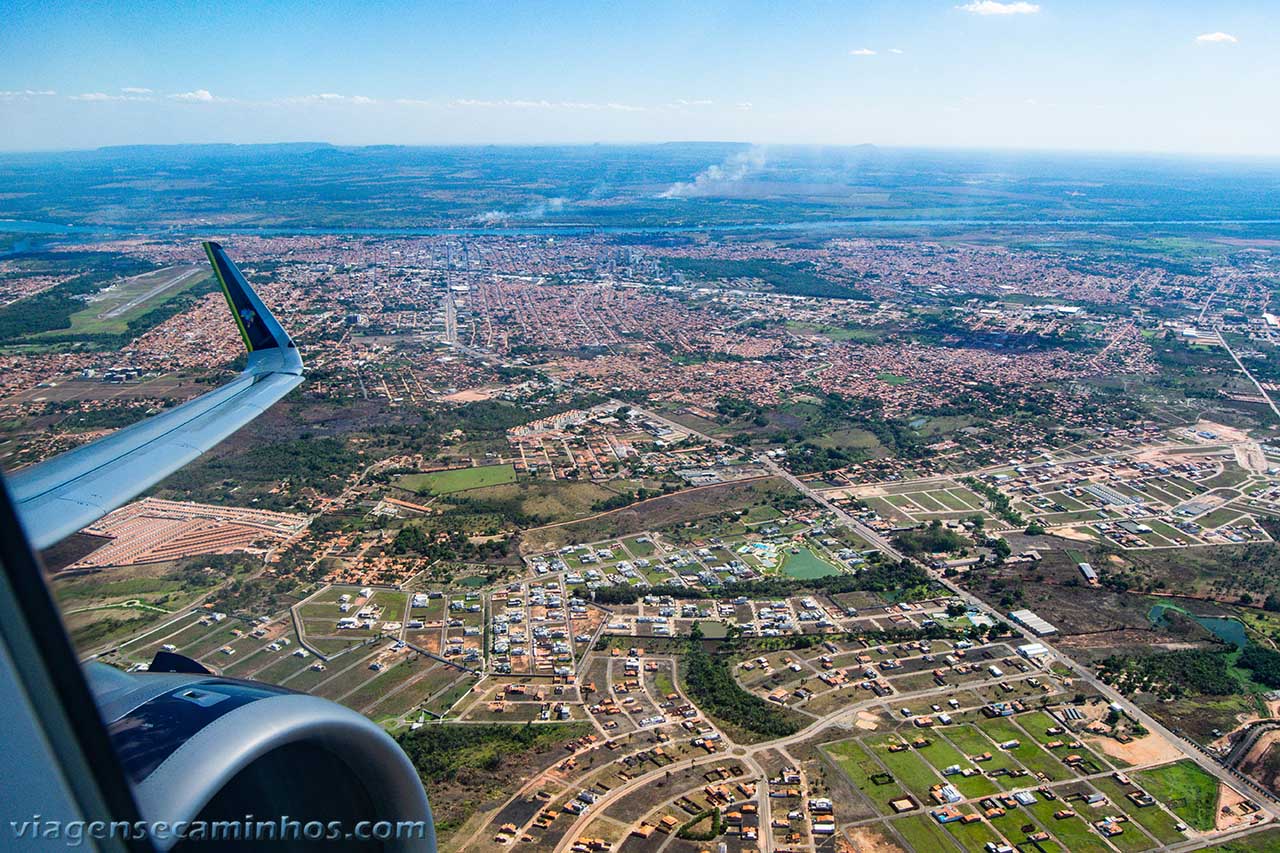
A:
x: 57, y: 497
x: 258, y: 326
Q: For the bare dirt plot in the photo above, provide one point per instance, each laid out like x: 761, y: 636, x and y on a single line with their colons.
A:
x: 1222, y: 431
x: 471, y: 395
x: 869, y: 839
x: 1151, y: 749
x: 1229, y: 814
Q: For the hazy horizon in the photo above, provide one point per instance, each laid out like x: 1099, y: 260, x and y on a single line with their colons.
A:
x: 1117, y: 153
x: 1136, y: 77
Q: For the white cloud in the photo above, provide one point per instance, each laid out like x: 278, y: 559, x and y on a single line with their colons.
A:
x: 699, y: 102
x: 136, y: 90
x: 519, y: 104
x: 896, y: 50
x: 744, y: 105
x: 331, y: 98
x: 24, y: 94
x: 103, y: 97
x: 862, y: 51
x: 1220, y: 38
x: 199, y: 96
x: 993, y: 7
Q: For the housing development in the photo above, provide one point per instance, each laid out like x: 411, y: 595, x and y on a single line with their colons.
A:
x: 787, y: 535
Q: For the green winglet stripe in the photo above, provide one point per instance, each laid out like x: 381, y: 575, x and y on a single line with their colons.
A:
x: 226, y: 291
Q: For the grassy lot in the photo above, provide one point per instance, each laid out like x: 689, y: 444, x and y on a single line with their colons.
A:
x: 678, y: 508
x: 971, y: 742
x: 1153, y: 819
x: 384, y: 682
x: 662, y: 680
x: 909, y: 769
x: 973, y: 836
x: 284, y: 667
x: 922, y: 832
x: 180, y: 633
x: 941, y: 754
x: 837, y: 333
x: 806, y: 565
x: 1219, y: 517
x: 546, y: 501
x: 859, y: 766
x: 446, y: 699
x: 1187, y: 789
x: 1076, y: 835
x: 1028, y: 753
x: 458, y: 479
x: 639, y: 546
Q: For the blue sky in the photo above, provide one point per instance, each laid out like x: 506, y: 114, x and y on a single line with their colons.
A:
x: 1196, y: 77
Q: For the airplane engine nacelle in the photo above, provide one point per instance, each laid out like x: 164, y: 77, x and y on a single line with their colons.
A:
x: 199, y: 748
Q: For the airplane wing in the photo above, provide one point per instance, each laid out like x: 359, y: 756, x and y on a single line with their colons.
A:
x: 58, y: 497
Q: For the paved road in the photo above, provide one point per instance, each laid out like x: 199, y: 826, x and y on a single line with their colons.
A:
x: 1251, y: 377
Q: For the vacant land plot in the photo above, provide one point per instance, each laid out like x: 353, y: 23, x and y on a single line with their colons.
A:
x: 922, y: 832
x: 941, y: 754
x: 458, y: 479
x: 1259, y: 842
x: 1076, y: 835
x: 806, y: 565
x: 909, y: 769
x: 1027, y: 752
x: 1155, y: 820
x: 865, y: 773
x: 658, y: 513
x: 1186, y: 788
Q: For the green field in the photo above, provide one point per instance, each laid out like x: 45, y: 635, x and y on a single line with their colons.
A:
x: 1185, y: 788
x: 859, y: 766
x: 922, y: 832
x: 910, y: 769
x: 458, y: 479
x: 1028, y: 753
x: 806, y: 565
x: 973, y: 836
x: 1158, y: 822
x: 941, y: 754
x: 1074, y: 833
